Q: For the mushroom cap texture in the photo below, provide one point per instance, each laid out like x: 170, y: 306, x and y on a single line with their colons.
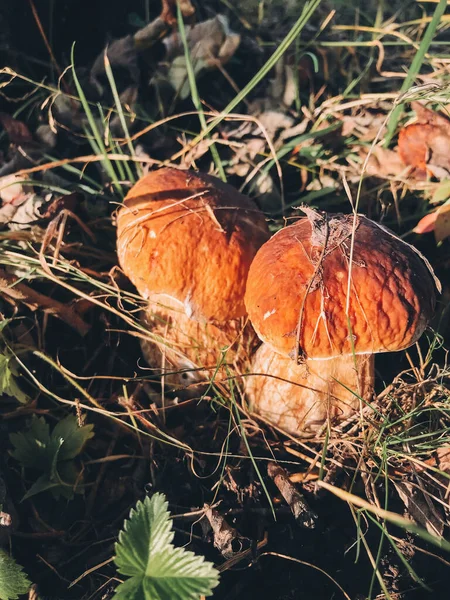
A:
x: 296, y: 293
x: 192, y: 237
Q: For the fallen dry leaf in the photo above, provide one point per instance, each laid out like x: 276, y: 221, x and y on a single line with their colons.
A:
x: 420, y: 507
x: 18, y: 132
x: 385, y: 163
x: 226, y: 539
x: 27, y: 213
x: 13, y: 189
x: 440, y: 460
x: 443, y: 459
x: 442, y: 225
x: 425, y: 144
x: 169, y: 10
x: 17, y: 292
x: 426, y: 223
x: 437, y: 221
x: 56, y: 205
x: 211, y: 44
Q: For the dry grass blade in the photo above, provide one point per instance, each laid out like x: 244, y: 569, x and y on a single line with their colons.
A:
x: 17, y: 291
x: 387, y: 515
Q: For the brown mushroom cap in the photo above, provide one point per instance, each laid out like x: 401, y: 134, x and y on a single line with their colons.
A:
x: 297, y: 289
x: 192, y: 237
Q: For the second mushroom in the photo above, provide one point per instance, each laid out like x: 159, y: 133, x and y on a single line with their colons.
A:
x: 186, y: 241
x: 324, y: 295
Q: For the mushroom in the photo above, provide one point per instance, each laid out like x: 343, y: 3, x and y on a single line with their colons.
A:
x: 186, y: 240
x: 324, y: 295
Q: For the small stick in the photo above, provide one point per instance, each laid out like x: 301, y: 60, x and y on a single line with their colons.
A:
x: 226, y: 539
x: 304, y: 516
x: 12, y: 287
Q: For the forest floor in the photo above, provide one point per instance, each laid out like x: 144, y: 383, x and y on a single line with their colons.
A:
x: 294, y: 103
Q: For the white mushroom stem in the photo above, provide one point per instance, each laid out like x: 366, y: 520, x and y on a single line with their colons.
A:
x: 188, y: 352
x: 301, y: 399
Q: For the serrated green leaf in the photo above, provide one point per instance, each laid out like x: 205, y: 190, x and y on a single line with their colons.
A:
x: 174, y: 574
x: 41, y: 485
x: 185, y: 575
x: 8, y: 383
x: 131, y: 589
x: 158, y: 570
x: 146, y: 532
x: 13, y: 581
x: 74, y: 437
x: 31, y: 446
x: 52, y: 454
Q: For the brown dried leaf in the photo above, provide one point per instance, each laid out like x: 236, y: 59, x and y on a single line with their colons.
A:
x: 426, y: 223
x: 303, y: 514
x: 60, y: 203
x: 421, y: 509
x: 442, y: 225
x: 385, y: 163
x: 443, y: 459
x: 211, y: 44
x: 12, y: 288
x: 169, y: 10
x: 425, y: 144
x: 18, y: 132
x: 121, y: 53
x: 365, y: 125
x: 425, y: 115
x: 226, y: 539
x: 437, y: 221
x: 13, y: 190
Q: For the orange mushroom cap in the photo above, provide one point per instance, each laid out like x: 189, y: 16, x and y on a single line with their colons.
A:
x: 297, y: 288
x: 192, y: 237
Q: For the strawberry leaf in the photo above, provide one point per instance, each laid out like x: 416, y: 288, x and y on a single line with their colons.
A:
x: 13, y: 581
x: 158, y: 570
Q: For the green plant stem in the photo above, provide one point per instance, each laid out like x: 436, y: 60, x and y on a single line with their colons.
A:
x: 307, y: 13
x: 194, y: 92
x: 415, y: 68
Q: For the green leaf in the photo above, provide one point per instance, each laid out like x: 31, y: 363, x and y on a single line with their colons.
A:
x: 61, y: 483
x: 40, y: 485
x: 52, y: 454
x: 158, y: 570
x: 69, y: 478
x: 8, y: 383
x: 175, y: 574
x: 131, y: 589
x: 442, y: 192
x: 13, y: 581
x: 32, y: 446
x: 73, y: 437
x: 148, y: 531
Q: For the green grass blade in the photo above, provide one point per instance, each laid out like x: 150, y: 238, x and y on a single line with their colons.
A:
x: 101, y: 150
x: 298, y: 26
x: 194, y: 92
x: 415, y: 67
x: 119, y: 108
